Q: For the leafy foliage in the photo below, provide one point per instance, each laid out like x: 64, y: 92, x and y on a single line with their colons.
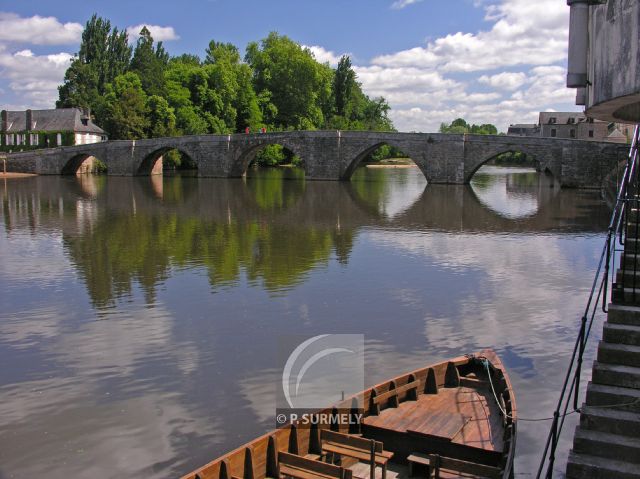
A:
x: 460, y: 126
x: 143, y: 92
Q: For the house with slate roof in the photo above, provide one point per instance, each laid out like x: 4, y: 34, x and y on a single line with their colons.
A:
x: 577, y: 125
x: 32, y: 129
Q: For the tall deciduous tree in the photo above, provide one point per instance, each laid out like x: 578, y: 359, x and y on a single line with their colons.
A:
x: 125, y: 110
x: 344, y: 82
x: 104, y: 54
x: 162, y: 118
x: 149, y: 63
x: 293, y: 78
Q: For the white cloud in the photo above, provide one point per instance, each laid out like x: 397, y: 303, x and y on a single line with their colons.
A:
x: 159, y: 34
x: 324, y: 56
x: 34, y: 78
x: 466, y: 74
x: 400, y: 4
x: 37, y: 30
x: 523, y: 33
x: 504, y: 80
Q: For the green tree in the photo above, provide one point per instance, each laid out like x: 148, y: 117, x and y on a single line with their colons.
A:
x: 460, y: 126
x: 344, y: 82
x: 104, y: 54
x: 293, y: 78
x: 162, y: 119
x: 125, y: 108
x: 222, y: 52
x: 149, y: 63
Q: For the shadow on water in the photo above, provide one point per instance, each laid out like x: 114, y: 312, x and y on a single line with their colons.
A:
x: 140, y: 314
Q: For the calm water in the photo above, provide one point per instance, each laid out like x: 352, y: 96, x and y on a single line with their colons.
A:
x: 139, y: 317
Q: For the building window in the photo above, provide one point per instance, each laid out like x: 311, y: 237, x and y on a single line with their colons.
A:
x: 571, y: 120
x: 552, y: 120
x: 553, y: 132
x: 34, y: 139
x: 59, y: 139
x: 572, y: 133
x: 590, y: 133
x: 9, y: 140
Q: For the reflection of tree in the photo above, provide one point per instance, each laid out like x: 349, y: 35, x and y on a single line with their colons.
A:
x: 371, y: 186
x: 122, y: 249
x: 272, y: 191
x: 483, y: 181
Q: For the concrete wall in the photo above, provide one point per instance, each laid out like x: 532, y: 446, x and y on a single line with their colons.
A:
x: 614, y: 61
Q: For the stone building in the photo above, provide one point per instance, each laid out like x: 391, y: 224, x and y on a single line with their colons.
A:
x: 32, y: 129
x: 553, y: 124
x: 524, y: 129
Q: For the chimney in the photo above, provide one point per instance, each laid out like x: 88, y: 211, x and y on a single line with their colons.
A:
x: 4, y: 126
x: 29, y: 122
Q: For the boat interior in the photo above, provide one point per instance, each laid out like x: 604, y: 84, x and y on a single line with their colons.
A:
x: 452, y: 419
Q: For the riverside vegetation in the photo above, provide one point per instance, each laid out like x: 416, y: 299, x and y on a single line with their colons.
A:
x: 143, y: 92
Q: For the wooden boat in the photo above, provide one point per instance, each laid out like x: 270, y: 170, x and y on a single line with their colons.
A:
x: 456, y: 418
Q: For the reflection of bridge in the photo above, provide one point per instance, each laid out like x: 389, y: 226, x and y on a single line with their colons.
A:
x: 446, y: 208
x: 334, y: 155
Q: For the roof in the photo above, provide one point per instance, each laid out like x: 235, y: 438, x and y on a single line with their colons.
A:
x: 562, y: 117
x: 60, y: 119
x: 524, y: 125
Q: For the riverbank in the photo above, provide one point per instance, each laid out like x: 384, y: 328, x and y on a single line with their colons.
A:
x: 16, y: 175
x: 392, y: 163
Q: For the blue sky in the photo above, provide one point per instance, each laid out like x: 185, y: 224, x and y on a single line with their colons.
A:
x: 490, y: 61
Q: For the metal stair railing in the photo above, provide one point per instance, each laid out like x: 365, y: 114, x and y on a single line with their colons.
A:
x: 625, y: 219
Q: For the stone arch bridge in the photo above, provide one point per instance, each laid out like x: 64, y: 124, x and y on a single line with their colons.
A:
x: 334, y: 155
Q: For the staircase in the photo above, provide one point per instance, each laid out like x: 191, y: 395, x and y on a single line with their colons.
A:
x: 606, y: 443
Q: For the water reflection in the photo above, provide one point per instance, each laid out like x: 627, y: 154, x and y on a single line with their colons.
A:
x: 513, y: 192
x: 140, y: 316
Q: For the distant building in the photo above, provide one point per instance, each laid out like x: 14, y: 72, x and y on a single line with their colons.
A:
x: 524, y: 129
x: 32, y: 129
x: 572, y: 125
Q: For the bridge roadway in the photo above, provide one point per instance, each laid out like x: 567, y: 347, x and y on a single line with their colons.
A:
x: 334, y: 155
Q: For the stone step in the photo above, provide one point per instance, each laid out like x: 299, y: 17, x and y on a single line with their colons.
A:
x: 613, y: 421
x: 615, y: 353
x: 628, y: 295
x: 616, y: 375
x: 629, y: 259
x: 632, y: 229
x: 610, y: 446
x: 615, y: 397
x: 623, y: 314
x: 628, y: 277
x: 621, y: 333
x: 580, y: 466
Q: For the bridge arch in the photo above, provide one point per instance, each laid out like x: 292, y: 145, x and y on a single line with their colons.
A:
x: 83, y: 163
x: 542, y: 160
x: 358, y: 158
x: 149, y: 164
x: 248, y: 155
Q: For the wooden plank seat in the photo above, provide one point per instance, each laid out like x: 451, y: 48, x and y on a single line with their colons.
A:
x: 393, y: 395
x: 436, y: 462
x: 360, y: 448
x: 292, y: 465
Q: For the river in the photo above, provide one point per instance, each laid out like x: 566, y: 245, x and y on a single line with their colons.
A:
x: 139, y: 317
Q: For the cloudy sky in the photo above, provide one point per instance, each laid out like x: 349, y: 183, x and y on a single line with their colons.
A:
x: 489, y: 61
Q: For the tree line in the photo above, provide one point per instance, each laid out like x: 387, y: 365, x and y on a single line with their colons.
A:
x: 143, y: 92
